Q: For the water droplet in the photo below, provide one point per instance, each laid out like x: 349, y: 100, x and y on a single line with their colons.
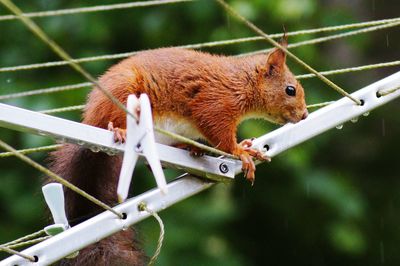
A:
x: 163, y: 205
x: 41, y: 133
x: 80, y: 142
x: 112, y: 152
x: 95, y: 148
x: 8, y: 80
x: 339, y: 126
x: 354, y: 120
x: 366, y: 114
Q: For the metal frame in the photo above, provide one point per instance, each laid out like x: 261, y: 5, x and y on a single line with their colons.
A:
x: 99, y: 139
x: 278, y: 141
x: 329, y: 117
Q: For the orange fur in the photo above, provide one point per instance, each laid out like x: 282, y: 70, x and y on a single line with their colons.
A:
x: 214, y: 92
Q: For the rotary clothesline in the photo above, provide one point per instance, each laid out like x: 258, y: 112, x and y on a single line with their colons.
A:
x: 58, y: 49
x: 105, y: 224
x: 72, y: 62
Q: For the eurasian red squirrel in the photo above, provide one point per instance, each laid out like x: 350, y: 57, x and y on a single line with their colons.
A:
x: 194, y: 94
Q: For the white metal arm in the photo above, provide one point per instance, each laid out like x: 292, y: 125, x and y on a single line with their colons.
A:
x: 102, y: 140
x: 329, y: 117
x: 106, y: 223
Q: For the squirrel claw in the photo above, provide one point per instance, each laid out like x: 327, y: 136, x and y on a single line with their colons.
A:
x: 258, y: 155
x: 248, y: 166
x: 119, y: 133
x: 196, y: 153
x: 193, y: 150
x: 246, y: 143
x: 246, y: 155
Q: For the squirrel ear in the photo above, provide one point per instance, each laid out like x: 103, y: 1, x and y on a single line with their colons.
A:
x: 277, y: 57
x: 276, y: 61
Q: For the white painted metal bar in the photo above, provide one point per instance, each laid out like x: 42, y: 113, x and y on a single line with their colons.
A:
x: 107, y: 223
x: 328, y: 117
x: 278, y: 141
x: 102, y: 140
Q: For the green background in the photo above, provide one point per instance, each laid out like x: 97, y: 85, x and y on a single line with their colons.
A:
x: 334, y: 200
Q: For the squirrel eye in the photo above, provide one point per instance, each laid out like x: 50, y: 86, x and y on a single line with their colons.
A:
x: 291, y: 91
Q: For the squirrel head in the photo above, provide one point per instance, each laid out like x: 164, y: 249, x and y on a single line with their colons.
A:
x: 282, y: 95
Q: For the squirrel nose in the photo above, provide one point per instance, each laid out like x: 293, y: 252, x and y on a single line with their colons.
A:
x: 304, y: 115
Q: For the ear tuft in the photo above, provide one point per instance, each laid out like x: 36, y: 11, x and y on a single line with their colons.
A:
x: 284, y: 39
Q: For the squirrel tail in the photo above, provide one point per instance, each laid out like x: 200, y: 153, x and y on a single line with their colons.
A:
x: 97, y: 174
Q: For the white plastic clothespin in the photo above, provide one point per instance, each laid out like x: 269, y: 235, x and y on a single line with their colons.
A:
x: 54, y: 196
x: 139, y: 138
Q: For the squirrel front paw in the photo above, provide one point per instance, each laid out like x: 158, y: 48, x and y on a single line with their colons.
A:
x: 119, y: 133
x: 258, y: 155
x: 246, y: 155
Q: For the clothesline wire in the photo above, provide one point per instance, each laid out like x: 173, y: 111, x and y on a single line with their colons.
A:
x: 200, y: 45
x: 312, y: 41
x: 329, y: 38
x: 57, y: 178
x: 63, y: 88
x: 162, y: 131
x: 270, y: 40
x: 28, y: 242
x: 14, y: 252
x: 88, y: 84
x: 80, y: 10
x: 56, y: 48
x: 25, y: 238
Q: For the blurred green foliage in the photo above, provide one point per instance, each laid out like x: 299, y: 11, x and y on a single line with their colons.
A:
x: 333, y: 200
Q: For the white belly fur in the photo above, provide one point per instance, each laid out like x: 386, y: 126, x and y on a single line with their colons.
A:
x: 177, y: 125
